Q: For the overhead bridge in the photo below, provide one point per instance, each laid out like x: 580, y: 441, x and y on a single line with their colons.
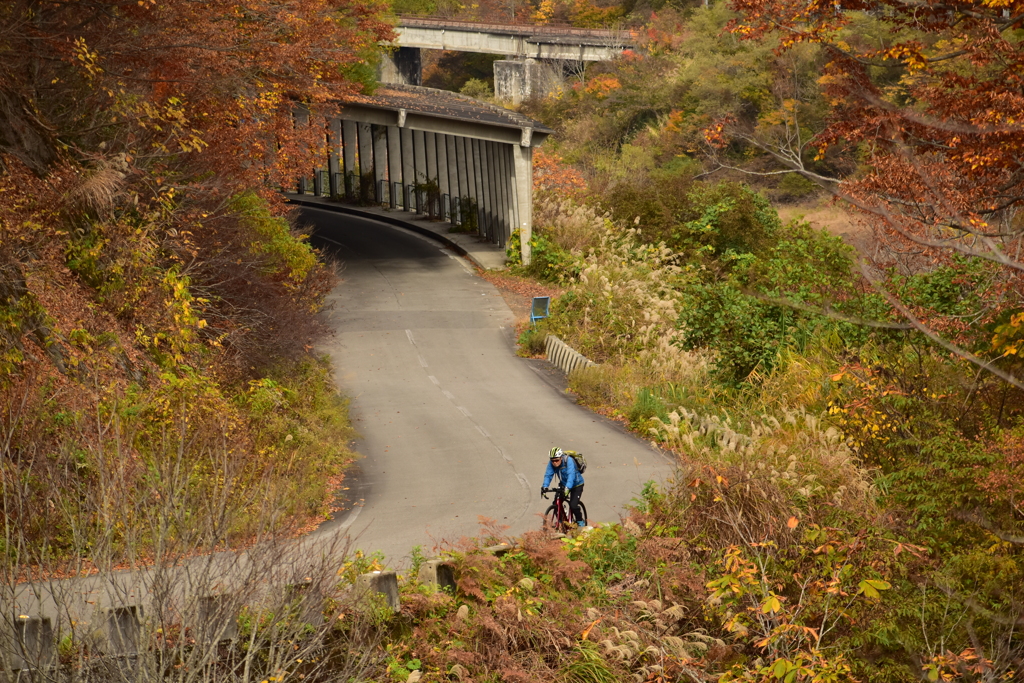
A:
x: 537, y: 42
x: 437, y: 153
x: 538, y: 56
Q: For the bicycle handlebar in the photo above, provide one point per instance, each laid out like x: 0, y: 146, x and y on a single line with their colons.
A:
x: 555, y: 490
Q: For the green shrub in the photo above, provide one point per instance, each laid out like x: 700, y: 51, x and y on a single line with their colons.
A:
x: 795, y: 186
x: 532, y: 341
x: 478, y: 89
x: 548, y: 262
x: 698, y: 220
x: 646, y: 406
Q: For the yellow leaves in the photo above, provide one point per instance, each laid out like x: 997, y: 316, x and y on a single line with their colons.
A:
x: 871, y: 587
x: 771, y: 605
x: 792, y: 523
x: 89, y: 59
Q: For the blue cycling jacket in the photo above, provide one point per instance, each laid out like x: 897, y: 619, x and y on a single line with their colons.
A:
x: 568, y: 475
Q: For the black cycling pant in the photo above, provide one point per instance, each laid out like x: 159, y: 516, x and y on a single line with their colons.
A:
x: 575, y: 494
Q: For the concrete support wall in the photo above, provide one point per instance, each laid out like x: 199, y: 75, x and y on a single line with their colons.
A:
x: 403, y: 66
x: 516, y: 81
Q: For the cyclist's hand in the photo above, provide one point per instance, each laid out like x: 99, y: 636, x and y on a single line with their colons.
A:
x: 543, y: 492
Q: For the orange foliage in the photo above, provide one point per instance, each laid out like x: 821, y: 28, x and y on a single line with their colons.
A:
x: 942, y: 131
x: 551, y: 174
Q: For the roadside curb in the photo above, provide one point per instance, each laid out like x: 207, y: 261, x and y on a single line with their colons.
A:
x: 397, y: 222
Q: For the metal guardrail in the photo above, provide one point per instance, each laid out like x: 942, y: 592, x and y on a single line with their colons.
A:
x: 563, y: 356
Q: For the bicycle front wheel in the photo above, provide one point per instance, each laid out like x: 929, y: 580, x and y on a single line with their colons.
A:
x: 551, y: 518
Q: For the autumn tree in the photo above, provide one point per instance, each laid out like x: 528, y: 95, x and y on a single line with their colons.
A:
x: 928, y: 95
x: 148, y: 263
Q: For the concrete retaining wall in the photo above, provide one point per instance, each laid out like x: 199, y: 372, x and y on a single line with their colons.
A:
x: 563, y: 356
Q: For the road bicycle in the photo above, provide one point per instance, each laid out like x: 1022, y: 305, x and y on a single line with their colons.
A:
x: 558, y: 516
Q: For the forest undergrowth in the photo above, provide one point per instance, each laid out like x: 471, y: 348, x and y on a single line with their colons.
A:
x: 847, y: 413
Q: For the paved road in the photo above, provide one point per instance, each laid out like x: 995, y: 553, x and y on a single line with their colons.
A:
x: 453, y: 425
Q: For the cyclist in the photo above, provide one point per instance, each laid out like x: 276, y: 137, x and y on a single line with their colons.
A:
x: 568, y: 476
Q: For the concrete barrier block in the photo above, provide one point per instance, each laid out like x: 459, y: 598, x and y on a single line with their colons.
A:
x: 123, y: 627
x: 33, y: 646
x: 437, y: 573
x: 383, y: 583
x: 218, y: 618
x: 498, y: 550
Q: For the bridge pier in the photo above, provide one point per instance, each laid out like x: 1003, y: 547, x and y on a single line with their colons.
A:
x: 518, y: 80
x: 403, y: 66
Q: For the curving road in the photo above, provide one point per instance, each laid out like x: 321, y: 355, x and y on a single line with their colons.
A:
x: 453, y: 424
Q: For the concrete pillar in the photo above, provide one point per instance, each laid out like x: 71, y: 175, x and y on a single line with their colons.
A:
x: 419, y: 170
x: 395, y: 170
x: 510, y: 164
x: 301, y: 121
x: 404, y: 65
x: 524, y: 194
x: 478, y: 187
x: 380, y: 156
x: 492, y: 195
x: 519, y: 80
x: 453, y: 173
x: 430, y: 143
x: 365, y: 162
x: 510, y: 188
x: 350, y: 145
x: 443, y: 177
x: 460, y: 146
x: 485, y: 193
x: 419, y: 156
x: 471, y: 175
x: 408, y: 168
x: 500, y: 200
x: 507, y: 176
x: 334, y: 156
